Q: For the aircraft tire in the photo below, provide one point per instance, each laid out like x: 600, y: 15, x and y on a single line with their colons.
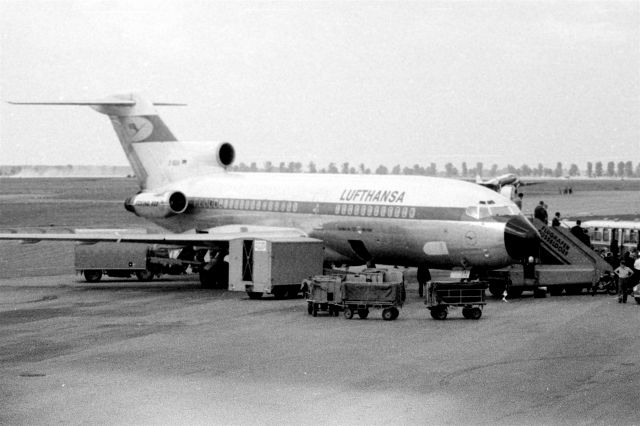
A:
x: 92, y: 275
x: 514, y: 292
x: 348, y: 313
x: 475, y: 313
x: 496, y: 289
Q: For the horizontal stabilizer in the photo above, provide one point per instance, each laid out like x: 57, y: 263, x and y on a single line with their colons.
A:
x: 102, y: 102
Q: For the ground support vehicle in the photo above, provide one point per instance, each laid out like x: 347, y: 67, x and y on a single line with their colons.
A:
x: 469, y: 296
x: 360, y: 297
x: 324, y: 294
x: 124, y: 260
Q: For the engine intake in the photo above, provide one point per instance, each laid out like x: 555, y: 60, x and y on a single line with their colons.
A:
x: 146, y: 204
x: 226, y: 154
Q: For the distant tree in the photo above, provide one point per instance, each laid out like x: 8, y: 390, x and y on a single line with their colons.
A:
x: 432, y: 170
x: 599, y: 170
x: 464, y: 171
x: 525, y: 170
x: 332, y: 168
x: 620, y: 169
x: 253, y: 167
x: 283, y: 167
x: 558, y: 171
x: 396, y: 170
x: 450, y: 170
x: 479, y: 167
x: 418, y: 170
x: 628, y: 169
x: 574, y: 170
x: 637, y: 173
x: 382, y: 170
x: 493, y: 172
x: 268, y: 167
x: 611, y: 169
x: 589, y: 169
x: 511, y: 169
x: 345, y: 168
x: 312, y: 167
x: 407, y: 171
x: 362, y: 168
x: 540, y: 169
x: 352, y: 170
x: 548, y: 171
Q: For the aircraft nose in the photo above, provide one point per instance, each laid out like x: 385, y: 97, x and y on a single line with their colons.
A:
x: 521, y: 238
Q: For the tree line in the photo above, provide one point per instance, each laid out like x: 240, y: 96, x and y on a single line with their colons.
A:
x: 596, y: 169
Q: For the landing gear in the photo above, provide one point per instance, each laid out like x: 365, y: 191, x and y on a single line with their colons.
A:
x: 472, y: 313
x: 439, y: 313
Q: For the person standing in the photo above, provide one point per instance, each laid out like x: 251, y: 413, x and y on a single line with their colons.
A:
x: 624, y: 274
x: 519, y: 200
x: 540, y: 213
x: 556, y: 220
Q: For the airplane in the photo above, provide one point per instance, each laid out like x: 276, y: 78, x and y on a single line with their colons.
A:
x: 187, y: 188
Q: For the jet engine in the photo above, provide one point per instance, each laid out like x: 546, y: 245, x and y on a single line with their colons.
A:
x: 225, y: 154
x: 146, y: 204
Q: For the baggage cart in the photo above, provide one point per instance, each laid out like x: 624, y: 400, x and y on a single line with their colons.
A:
x: 470, y: 296
x: 359, y: 297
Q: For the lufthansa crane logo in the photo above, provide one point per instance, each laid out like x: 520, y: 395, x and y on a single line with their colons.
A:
x: 137, y: 128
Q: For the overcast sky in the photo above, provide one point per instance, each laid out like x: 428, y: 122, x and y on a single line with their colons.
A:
x: 364, y: 82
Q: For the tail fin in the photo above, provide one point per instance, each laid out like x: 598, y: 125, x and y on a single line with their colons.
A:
x: 140, y: 129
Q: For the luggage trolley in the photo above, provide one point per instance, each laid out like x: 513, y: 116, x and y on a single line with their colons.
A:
x: 358, y: 297
x: 468, y: 295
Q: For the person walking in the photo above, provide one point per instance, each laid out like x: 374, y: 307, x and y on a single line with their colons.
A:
x: 624, y: 274
x: 540, y: 213
x: 518, y: 201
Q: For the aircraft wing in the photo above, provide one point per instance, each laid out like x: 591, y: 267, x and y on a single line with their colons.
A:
x: 208, y: 238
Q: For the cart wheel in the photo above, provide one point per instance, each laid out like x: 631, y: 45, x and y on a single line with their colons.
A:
x: 439, y: 313
x: 475, y: 313
x: 466, y: 312
x: 309, y: 308
x: 387, y: 314
x: 92, y: 276
x: 315, y: 309
x: 348, y: 313
x: 336, y: 311
x: 363, y: 313
x: 395, y: 312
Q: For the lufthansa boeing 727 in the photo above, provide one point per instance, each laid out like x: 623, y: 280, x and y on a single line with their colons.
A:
x: 387, y: 219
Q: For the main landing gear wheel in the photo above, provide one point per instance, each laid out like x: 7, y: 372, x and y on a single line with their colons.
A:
x: 348, y: 313
x: 92, y: 276
x: 363, y: 313
x: 439, y: 314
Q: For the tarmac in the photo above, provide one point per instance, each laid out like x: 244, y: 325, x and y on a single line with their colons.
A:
x: 169, y: 352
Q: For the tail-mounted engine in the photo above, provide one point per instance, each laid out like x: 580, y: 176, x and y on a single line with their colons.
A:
x: 147, y: 204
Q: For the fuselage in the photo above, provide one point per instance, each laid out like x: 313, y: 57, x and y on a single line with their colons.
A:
x: 388, y: 219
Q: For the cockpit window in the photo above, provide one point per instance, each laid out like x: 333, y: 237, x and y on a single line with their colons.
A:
x: 489, y: 208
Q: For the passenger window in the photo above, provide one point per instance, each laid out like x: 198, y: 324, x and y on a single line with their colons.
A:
x: 383, y: 211
x: 606, y: 234
x: 369, y: 210
x: 404, y: 211
x: 597, y: 234
x: 343, y: 209
x: 626, y: 235
x: 376, y: 210
x: 412, y: 212
x: 337, y: 208
x: 270, y: 206
x: 295, y: 206
x: 363, y: 210
x: 634, y: 237
x: 483, y: 212
x: 350, y: 209
x: 356, y: 210
x: 288, y: 206
x: 396, y: 213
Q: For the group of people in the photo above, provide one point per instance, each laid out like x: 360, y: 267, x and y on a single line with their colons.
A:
x: 626, y: 267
